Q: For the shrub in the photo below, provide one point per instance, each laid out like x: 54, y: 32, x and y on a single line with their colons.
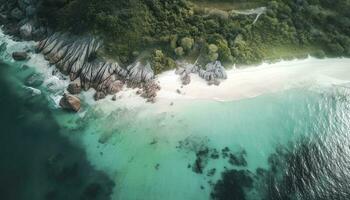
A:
x: 160, y: 62
x: 179, y: 51
x: 187, y: 43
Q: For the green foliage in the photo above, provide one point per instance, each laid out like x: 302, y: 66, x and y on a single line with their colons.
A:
x: 187, y: 43
x: 212, y: 48
x: 319, y: 54
x: 213, y: 52
x: 177, y: 29
x: 179, y: 51
x: 173, y: 41
x: 161, y: 62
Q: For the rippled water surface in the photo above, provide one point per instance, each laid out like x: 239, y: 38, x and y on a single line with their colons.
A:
x: 292, y: 144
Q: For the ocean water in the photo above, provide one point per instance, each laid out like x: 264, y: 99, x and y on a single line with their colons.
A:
x: 291, y: 144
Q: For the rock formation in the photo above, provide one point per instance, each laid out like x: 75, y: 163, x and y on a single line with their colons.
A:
x: 70, y: 102
x: 186, y: 79
x: 185, y: 72
x: 76, y: 57
x: 150, y: 90
x: 74, y: 87
x: 20, y: 56
x: 140, y: 73
x: 212, y: 73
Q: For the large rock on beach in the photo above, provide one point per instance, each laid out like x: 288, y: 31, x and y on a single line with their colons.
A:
x: 76, y: 57
x: 70, y: 102
x: 150, y: 90
x: 74, y: 87
x: 115, y: 87
x: 212, y: 71
x: 186, y: 79
x: 99, y: 95
x: 139, y: 72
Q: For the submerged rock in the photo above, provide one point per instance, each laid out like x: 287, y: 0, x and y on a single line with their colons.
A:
x: 233, y: 185
x: 201, y: 161
x: 20, y: 56
x: 32, y: 92
x: 24, y: 67
x: 70, y: 102
x: 238, y: 159
x: 34, y: 80
x: 3, y: 47
x: 225, y: 152
x: 211, y: 172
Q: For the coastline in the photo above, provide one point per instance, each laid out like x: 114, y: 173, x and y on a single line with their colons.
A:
x: 138, y: 144
x: 253, y: 81
x: 241, y: 83
x: 244, y: 83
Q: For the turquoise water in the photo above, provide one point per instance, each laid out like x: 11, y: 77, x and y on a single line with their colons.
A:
x: 292, y: 144
x: 260, y: 127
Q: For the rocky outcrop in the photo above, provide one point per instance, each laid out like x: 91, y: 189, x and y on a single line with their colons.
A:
x: 184, y: 71
x: 212, y: 71
x: 74, y: 87
x: 76, y: 57
x: 70, y: 102
x: 149, y: 91
x: 115, y: 87
x: 186, y: 79
x: 140, y: 73
x: 68, y: 53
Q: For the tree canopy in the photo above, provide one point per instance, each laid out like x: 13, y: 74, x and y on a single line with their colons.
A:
x: 179, y: 29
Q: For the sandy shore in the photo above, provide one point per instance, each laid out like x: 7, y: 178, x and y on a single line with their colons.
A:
x: 254, y: 81
x: 243, y: 83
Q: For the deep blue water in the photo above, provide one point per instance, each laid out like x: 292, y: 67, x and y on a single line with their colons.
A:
x: 36, y: 162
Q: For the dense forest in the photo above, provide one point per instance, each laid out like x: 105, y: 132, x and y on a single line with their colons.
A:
x: 165, y: 30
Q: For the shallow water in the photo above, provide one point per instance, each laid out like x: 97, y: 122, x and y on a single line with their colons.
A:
x: 291, y: 144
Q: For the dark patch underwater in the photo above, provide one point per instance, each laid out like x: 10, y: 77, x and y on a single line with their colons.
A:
x: 36, y: 162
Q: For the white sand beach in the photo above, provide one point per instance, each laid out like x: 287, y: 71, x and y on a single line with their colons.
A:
x: 247, y: 82
x: 256, y: 80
